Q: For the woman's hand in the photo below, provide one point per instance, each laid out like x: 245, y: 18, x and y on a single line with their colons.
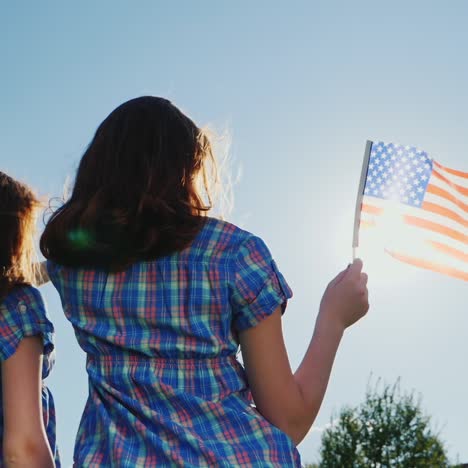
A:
x: 345, y: 300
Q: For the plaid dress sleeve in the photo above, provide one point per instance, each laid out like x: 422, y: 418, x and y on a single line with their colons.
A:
x: 23, y: 314
x: 259, y: 287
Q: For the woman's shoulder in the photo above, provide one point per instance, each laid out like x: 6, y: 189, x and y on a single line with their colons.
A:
x: 220, y: 235
x: 24, y: 297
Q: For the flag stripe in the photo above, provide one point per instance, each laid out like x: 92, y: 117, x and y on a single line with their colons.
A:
x: 458, y: 188
x: 463, y: 175
x: 430, y: 225
x: 391, y: 233
x: 426, y: 264
x: 428, y: 206
x: 448, y: 188
x: 435, y: 190
x: 444, y: 203
x: 434, y: 208
x: 388, y: 209
x: 375, y: 210
x: 450, y: 251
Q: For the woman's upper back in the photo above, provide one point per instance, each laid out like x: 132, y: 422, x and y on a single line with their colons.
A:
x: 185, y: 305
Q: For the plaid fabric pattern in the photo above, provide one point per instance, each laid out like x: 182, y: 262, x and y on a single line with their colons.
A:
x: 23, y: 314
x: 165, y: 387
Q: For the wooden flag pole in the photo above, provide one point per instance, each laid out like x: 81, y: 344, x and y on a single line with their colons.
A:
x: 360, y: 194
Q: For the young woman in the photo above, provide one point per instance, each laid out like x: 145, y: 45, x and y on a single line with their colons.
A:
x: 161, y: 295
x: 27, y: 419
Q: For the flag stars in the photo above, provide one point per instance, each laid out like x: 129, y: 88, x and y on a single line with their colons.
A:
x: 398, y: 172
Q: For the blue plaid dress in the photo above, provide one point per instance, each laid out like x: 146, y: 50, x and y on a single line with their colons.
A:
x: 23, y: 314
x: 165, y: 387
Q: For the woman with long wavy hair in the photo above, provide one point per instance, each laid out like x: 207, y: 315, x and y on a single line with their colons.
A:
x: 27, y: 420
x: 161, y: 295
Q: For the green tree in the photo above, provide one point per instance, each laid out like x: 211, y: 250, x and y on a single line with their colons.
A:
x: 389, y: 429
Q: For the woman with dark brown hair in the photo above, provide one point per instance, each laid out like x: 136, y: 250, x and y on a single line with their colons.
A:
x: 27, y: 420
x: 161, y: 295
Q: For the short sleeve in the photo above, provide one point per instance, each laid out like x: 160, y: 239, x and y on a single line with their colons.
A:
x: 258, y: 287
x: 23, y: 314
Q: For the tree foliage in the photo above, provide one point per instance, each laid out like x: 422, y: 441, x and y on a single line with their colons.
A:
x: 389, y: 429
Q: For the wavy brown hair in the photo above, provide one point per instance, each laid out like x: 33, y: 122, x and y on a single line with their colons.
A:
x: 18, y: 209
x: 142, y: 190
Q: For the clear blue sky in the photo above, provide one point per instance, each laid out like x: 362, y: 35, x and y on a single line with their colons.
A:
x: 301, y: 86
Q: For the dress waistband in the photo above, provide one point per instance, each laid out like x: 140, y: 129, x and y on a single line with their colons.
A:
x: 180, y: 363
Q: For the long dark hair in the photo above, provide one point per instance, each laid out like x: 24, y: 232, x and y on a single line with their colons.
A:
x: 18, y: 208
x: 141, y: 190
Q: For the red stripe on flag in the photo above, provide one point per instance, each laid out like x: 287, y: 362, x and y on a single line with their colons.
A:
x: 455, y: 253
x: 371, y: 209
x: 440, y: 210
x: 451, y: 171
x: 458, y: 188
x: 448, y: 196
x: 431, y: 226
x: 430, y: 266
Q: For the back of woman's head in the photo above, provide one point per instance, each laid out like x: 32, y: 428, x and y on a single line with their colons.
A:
x: 18, y: 207
x: 137, y: 193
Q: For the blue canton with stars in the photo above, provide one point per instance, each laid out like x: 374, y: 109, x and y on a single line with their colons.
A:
x: 399, y: 173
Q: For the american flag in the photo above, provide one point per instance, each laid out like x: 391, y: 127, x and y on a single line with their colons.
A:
x: 415, y: 208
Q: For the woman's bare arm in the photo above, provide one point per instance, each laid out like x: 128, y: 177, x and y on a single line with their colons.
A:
x: 290, y: 400
x: 25, y: 442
